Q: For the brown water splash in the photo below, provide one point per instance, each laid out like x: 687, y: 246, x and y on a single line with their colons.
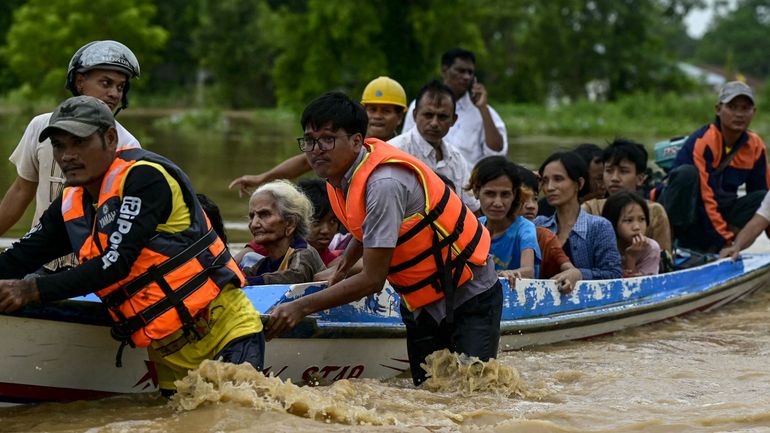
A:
x: 216, y: 382
x: 450, y: 372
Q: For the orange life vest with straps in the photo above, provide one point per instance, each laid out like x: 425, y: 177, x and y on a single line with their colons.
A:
x: 174, y: 277
x: 434, y: 246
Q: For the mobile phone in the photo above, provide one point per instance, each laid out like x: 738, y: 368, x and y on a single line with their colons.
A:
x: 474, y: 95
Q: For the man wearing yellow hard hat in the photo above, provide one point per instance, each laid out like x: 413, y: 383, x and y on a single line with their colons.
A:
x: 385, y: 102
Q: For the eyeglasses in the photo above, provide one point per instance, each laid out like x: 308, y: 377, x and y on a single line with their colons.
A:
x: 326, y: 142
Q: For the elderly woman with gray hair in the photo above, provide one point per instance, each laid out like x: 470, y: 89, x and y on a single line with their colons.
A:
x: 279, y: 218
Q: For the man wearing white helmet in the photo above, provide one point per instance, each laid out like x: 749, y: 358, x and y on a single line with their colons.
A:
x: 385, y: 102
x: 101, y: 69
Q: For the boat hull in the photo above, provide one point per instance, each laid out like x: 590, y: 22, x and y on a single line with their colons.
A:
x: 63, y: 351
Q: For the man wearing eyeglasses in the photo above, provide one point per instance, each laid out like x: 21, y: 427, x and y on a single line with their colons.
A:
x: 409, y: 228
x: 701, y: 192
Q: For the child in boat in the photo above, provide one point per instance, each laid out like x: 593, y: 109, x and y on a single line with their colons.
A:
x: 628, y: 213
x: 554, y: 264
x: 496, y: 183
x: 280, y: 218
x: 325, y: 224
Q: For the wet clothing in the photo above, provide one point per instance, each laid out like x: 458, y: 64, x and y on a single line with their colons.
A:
x: 475, y: 331
x: 507, y: 247
x: 391, y: 196
x: 591, y: 246
x: 700, y: 211
x: 298, y: 265
x: 230, y: 329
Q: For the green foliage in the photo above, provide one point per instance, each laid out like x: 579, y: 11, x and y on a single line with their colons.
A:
x: 44, y: 35
x: 173, y: 75
x: 743, y: 33
x: 7, y: 80
x: 258, y: 53
x: 239, y: 66
x: 640, y: 116
x: 337, y: 44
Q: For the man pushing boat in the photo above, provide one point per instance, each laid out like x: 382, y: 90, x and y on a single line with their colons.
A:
x: 145, y: 247
x: 410, y: 229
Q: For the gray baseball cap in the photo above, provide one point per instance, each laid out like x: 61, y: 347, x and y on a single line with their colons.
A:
x: 733, y: 89
x: 80, y: 116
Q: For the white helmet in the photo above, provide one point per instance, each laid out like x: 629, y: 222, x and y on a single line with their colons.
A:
x: 110, y: 55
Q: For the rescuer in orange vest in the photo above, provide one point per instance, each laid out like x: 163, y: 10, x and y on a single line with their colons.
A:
x: 145, y: 247
x: 410, y: 229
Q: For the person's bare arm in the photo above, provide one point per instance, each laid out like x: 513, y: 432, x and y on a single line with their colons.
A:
x: 289, y: 169
x: 15, y: 202
x: 370, y: 280
x: 748, y: 234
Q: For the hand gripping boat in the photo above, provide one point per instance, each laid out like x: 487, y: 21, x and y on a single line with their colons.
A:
x: 63, y: 351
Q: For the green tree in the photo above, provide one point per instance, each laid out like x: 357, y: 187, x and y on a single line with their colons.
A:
x: 744, y: 30
x: 175, y: 70
x: 337, y: 44
x: 44, y: 35
x: 7, y: 79
x: 231, y: 44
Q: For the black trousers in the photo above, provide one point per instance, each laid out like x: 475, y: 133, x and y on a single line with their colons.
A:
x: 686, y: 212
x: 475, y: 331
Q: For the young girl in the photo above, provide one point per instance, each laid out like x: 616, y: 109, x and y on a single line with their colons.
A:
x: 496, y: 183
x: 629, y: 214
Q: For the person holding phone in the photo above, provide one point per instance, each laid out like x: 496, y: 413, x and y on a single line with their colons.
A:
x: 479, y: 130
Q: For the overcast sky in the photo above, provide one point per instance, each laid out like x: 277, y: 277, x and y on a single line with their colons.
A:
x: 697, y: 20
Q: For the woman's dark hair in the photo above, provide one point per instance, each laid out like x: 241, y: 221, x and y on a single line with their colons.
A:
x: 616, y: 202
x: 589, y: 152
x: 575, y: 167
x: 215, y: 217
x: 315, y: 190
x: 529, y: 179
x: 492, y: 167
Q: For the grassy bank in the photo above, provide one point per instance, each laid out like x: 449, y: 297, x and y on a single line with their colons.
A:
x: 639, y: 116
x: 635, y: 116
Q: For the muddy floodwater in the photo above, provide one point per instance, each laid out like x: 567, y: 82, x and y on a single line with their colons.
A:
x: 705, y: 372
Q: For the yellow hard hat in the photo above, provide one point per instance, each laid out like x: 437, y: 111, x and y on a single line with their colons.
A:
x: 384, y: 90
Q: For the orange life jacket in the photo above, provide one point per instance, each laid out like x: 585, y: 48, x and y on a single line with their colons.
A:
x: 175, y: 276
x: 434, y: 246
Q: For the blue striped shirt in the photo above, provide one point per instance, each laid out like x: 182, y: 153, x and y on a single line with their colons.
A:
x: 593, y: 245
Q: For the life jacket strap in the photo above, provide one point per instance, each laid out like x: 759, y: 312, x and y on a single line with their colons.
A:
x: 130, y: 289
x: 446, y: 242
x: 431, y: 217
x: 122, y: 330
x: 456, y: 264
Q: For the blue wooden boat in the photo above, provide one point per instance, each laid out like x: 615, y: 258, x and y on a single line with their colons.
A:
x: 46, y: 347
